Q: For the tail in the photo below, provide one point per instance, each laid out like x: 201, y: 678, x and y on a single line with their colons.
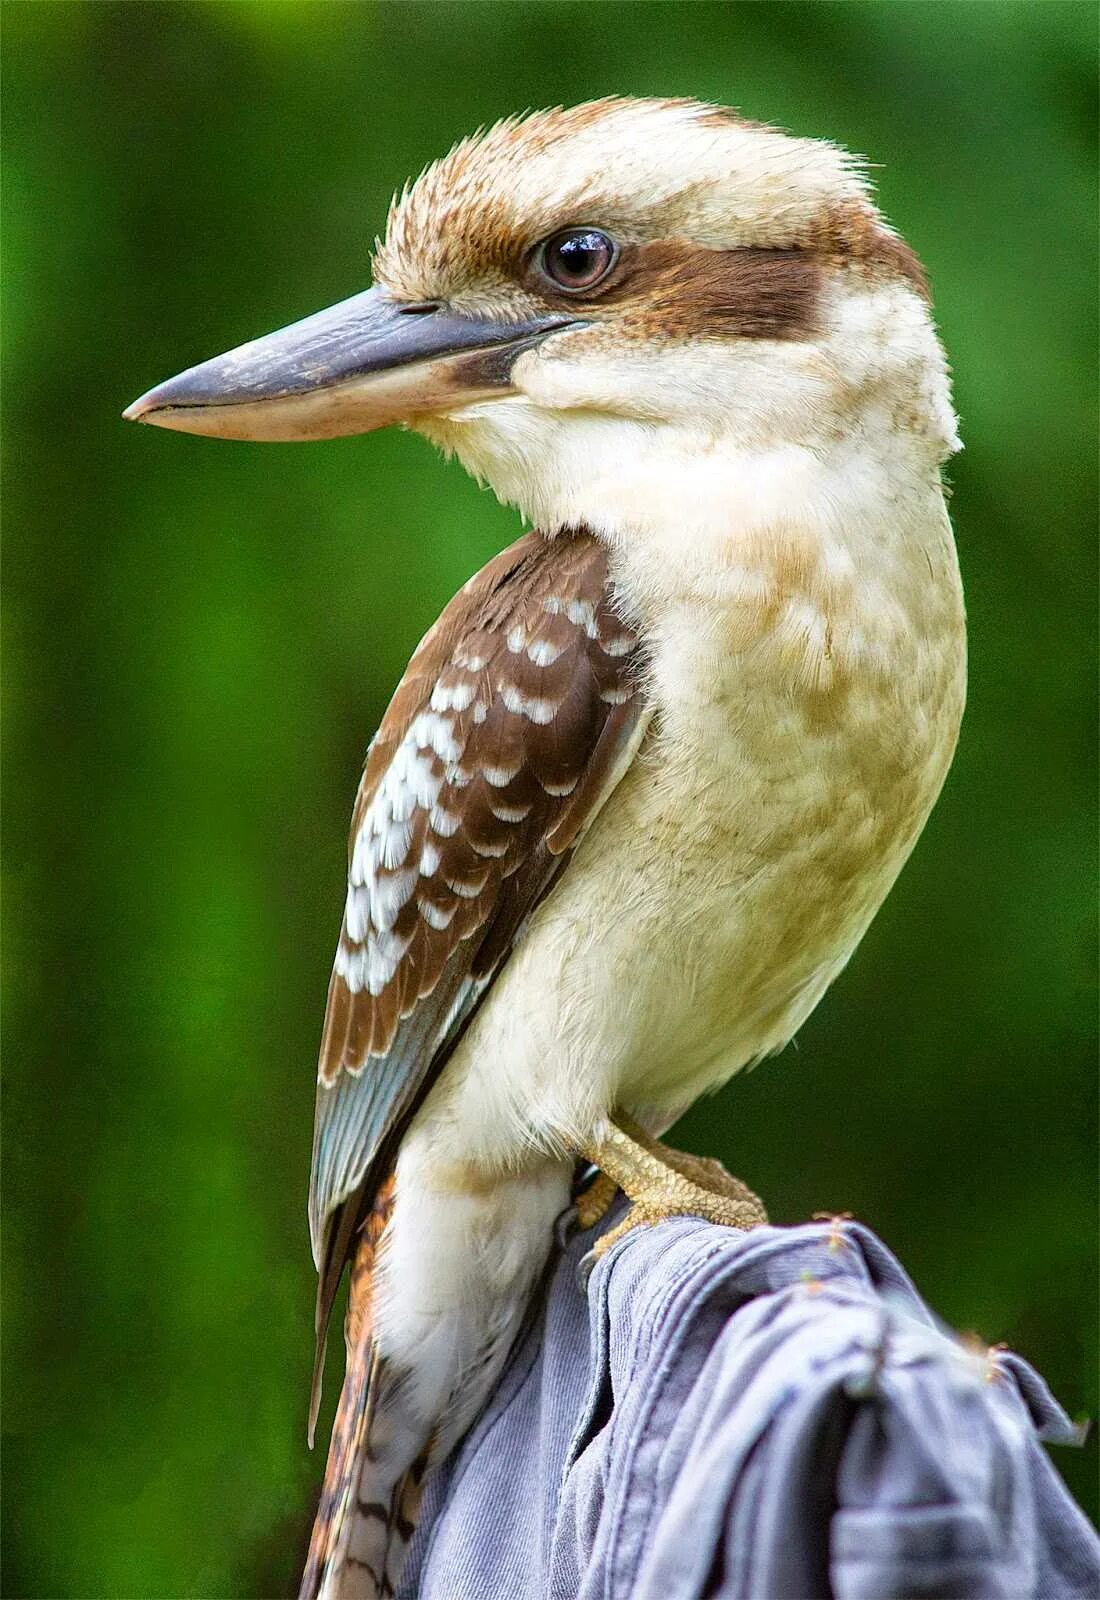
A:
x: 469, y: 1263
x: 371, y: 1492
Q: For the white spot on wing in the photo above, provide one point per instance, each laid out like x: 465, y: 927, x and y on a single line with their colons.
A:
x: 394, y: 844
x: 452, y: 697
x: 357, y: 912
x: 619, y: 644
x: 351, y: 966
x: 388, y: 895
x: 409, y: 781
x: 581, y: 612
x: 430, y: 731
x: 384, y: 952
x: 535, y: 710
x: 443, y: 822
x: 361, y: 865
x: 505, y: 813
x: 371, y: 965
x: 468, y: 659
x: 467, y: 891
x: 437, y: 917
x: 498, y: 848
x: 542, y: 653
x: 499, y: 777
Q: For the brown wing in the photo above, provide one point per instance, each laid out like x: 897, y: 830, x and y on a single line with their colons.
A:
x: 518, y: 713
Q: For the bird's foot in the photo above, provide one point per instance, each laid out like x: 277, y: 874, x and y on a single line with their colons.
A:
x: 594, y: 1202
x: 662, y: 1182
x: 593, y: 1195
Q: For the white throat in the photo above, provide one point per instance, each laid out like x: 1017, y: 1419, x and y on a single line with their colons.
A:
x: 705, y: 440
x: 785, y: 501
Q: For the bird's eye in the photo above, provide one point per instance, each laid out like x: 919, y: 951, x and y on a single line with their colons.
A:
x: 578, y: 258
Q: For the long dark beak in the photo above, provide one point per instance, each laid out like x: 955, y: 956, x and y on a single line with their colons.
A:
x: 360, y: 365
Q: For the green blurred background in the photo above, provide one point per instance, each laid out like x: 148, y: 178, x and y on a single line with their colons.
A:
x: 200, y: 639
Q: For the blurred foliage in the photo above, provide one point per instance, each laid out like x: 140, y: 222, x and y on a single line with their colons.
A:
x: 200, y: 639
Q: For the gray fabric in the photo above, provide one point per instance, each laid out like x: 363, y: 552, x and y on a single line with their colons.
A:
x: 766, y: 1416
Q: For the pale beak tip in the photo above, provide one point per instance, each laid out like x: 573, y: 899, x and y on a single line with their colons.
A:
x: 138, y: 410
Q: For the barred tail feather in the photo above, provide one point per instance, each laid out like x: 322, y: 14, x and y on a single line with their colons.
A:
x: 371, y: 1492
x: 381, y: 1524
x: 458, y: 1271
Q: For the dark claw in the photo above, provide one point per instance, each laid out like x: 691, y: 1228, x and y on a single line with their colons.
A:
x: 584, y: 1269
x: 565, y: 1226
x: 582, y: 1177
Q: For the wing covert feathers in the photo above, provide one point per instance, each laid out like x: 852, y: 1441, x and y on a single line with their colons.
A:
x: 503, y: 739
x: 517, y: 715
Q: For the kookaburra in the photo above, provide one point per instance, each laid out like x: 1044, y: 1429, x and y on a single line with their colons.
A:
x: 648, y: 778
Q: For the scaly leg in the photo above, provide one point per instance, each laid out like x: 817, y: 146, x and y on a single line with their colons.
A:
x: 705, y: 1171
x: 668, y: 1183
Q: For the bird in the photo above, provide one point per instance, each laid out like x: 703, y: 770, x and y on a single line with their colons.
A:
x: 650, y: 775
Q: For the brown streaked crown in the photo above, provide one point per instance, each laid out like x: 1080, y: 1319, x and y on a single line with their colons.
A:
x: 724, y: 225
